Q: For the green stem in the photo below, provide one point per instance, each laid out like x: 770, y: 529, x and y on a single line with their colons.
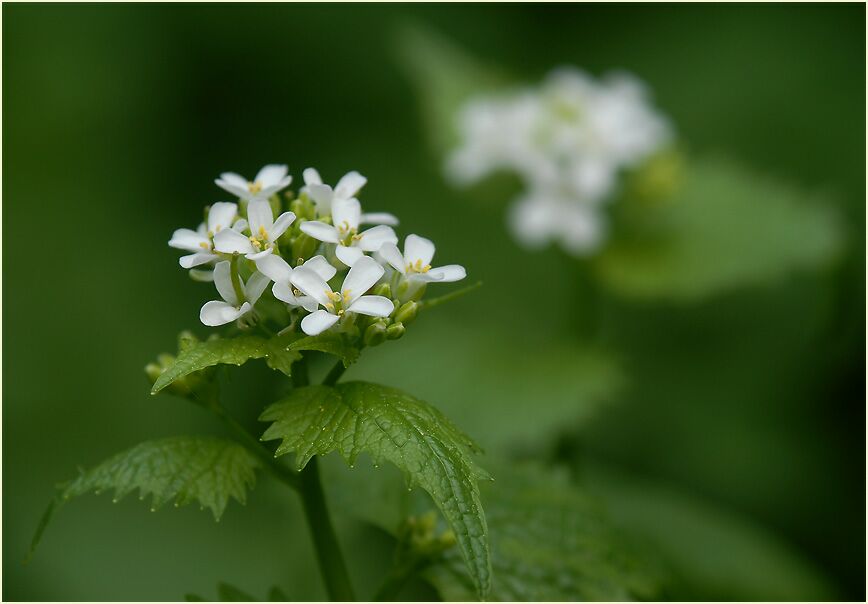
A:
x: 430, y: 303
x: 281, y: 472
x: 334, y: 374
x: 236, y: 279
x: 328, y: 551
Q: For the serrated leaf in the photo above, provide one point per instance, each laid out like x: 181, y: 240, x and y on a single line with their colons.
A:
x: 445, y: 76
x: 178, y: 469
x: 182, y: 469
x: 550, y: 541
x: 231, y: 351
x: 389, y: 425
x: 725, y: 227
x: 331, y: 343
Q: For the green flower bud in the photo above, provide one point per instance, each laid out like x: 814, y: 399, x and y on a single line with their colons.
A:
x: 303, y: 208
x: 383, y: 289
x: 375, y: 334
x: 304, y: 246
x: 406, y: 313
x: 394, y: 331
x: 416, y: 290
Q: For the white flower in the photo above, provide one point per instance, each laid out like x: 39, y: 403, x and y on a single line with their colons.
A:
x: 351, y: 245
x: 537, y: 218
x: 269, y: 180
x: 347, y: 188
x: 278, y: 270
x: 220, y: 312
x: 415, y: 262
x: 264, y: 232
x: 221, y: 216
x: 351, y: 299
x: 568, y: 139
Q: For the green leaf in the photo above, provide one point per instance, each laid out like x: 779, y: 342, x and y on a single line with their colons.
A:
x: 445, y: 76
x: 331, y: 343
x: 725, y: 227
x: 357, y: 417
x: 179, y: 469
x: 715, y: 553
x: 232, y: 351
x: 550, y: 541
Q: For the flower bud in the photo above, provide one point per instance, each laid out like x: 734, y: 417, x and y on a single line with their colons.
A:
x: 304, y: 246
x: 303, y: 208
x: 383, y: 289
x: 416, y: 290
x: 406, y: 313
x: 395, y: 331
x: 375, y: 334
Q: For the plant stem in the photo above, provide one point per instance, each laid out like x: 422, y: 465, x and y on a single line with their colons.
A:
x: 328, y: 551
x: 281, y: 472
x: 334, y: 374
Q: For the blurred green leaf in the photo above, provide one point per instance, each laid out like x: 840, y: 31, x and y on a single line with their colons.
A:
x: 550, y: 541
x: 725, y: 227
x: 180, y: 469
x: 230, y: 593
x: 445, y: 76
x: 357, y: 417
x: 512, y: 390
x: 714, y: 553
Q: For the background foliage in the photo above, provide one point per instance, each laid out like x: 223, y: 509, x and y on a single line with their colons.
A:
x: 737, y: 419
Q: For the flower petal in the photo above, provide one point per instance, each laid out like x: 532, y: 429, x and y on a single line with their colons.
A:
x: 317, y: 322
x: 268, y: 191
x: 221, y: 216
x: 379, y: 218
x: 391, y: 254
x: 275, y: 268
x: 349, y: 185
x: 233, y: 183
x: 223, y: 283
x: 215, y: 313
x: 308, y: 303
x: 446, y: 274
x: 372, y: 239
x: 283, y: 291
x: 418, y: 249
x: 202, y: 276
x: 190, y: 240
x: 322, y: 196
x: 320, y: 230
x: 271, y: 175
x: 260, y: 217
x: 374, y: 306
x: 349, y: 255
x: 229, y: 241
x: 362, y: 276
x: 240, y: 225
x: 255, y: 285
x: 196, y: 260
x: 280, y: 225
x: 346, y: 213
x: 311, y: 284
x: 311, y: 177
x: 322, y: 267
x: 256, y: 256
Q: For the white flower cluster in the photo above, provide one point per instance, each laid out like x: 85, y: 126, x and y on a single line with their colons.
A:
x: 300, y: 251
x: 567, y: 139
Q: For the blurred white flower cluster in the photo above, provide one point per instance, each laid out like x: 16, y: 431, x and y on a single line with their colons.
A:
x: 568, y: 140
x: 243, y: 248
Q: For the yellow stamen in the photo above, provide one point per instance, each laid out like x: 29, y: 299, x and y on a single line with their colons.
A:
x: 254, y: 187
x: 204, y: 245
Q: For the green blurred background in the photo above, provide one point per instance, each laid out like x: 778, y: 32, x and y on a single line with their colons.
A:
x: 118, y: 117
